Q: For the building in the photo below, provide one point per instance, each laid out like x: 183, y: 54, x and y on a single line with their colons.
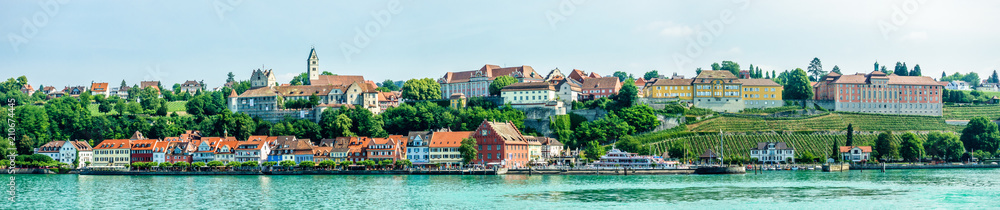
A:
x: 718, y: 90
x: 267, y: 102
x: 290, y: 148
x: 27, y: 89
x: 113, y: 152
x: 192, y: 87
x: 321, y: 154
x: 457, y: 100
x: 226, y: 151
x: 579, y: 75
x: 988, y: 87
x: 262, y: 78
x: 205, y: 149
x: 149, y: 84
x: 501, y: 145
x: 773, y: 152
x: 254, y: 149
x: 417, y: 148
x: 567, y: 91
x: 339, y: 154
x: 594, y: 88
x: 476, y: 83
x: 879, y: 93
x: 855, y: 153
x: 392, y: 148
x: 535, y: 150
x: 178, y: 151
x: 678, y: 89
x: 528, y: 95
x: 388, y: 100
x: 761, y: 93
x: 100, y: 89
x: 958, y: 85
x: 142, y: 150
x: 74, y: 91
x: 160, y: 150
x: 444, y: 148
x: 551, y: 147
x: 66, y: 152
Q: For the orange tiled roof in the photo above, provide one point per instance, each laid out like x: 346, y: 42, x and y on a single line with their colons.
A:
x: 449, y: 139
x: 848, y: 148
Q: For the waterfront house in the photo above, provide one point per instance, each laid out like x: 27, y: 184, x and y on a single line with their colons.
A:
x: 708, y: 156
x: 160, y: 151
x: 66, y: 151
x: 254, y: 149
x: 417, y: 148
x: 113, y: 152
x: 205, y: 150
x: 501, y: 145
x: 291, y: 148
x: 179, y: 151
x: 339, y: 154
x: 390, y: 148
x: 551, y: 147
x: 444, y: 147
x: 321, y: 153
x: 357, y: 148
x: 772, y: 152
x: 226, y: 151
x: 855, y: 153
x: 535, y: 150
x: 142, y: 150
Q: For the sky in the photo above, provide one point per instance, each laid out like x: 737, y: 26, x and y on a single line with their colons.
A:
x: 62, y: 42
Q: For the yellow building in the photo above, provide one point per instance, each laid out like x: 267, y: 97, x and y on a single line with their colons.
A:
x: 718, y: 90
x: 761, y: 93
x: 113, y: 152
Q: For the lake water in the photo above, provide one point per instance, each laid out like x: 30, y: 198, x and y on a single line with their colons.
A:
x: 895, y: 189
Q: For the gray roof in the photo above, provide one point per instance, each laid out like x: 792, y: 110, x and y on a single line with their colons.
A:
x: 777, y: 145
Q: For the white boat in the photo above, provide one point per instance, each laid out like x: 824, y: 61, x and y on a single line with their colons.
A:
x: 618, y: 159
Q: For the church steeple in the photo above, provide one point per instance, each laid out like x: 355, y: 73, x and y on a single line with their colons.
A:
x: 313, y: 63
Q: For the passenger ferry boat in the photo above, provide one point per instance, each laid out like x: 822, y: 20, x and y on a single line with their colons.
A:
x: 618, y: 159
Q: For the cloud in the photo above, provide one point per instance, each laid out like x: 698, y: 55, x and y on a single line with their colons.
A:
x: 670, y: 29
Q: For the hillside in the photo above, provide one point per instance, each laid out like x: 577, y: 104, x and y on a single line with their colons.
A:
x: 173, y: 106
x: 968, y: 112
x: 827, y: 122
x: 739, y: 145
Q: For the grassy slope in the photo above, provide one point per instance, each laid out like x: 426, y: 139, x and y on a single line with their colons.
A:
x: 833, y: 121
x: 968, y: 112
x: 174, y: 106
x: 740, y: 145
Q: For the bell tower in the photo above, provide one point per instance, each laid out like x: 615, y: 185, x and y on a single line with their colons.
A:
x: 313, y: 63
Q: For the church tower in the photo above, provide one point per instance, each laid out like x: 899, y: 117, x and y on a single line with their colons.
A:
x: 313, y: 64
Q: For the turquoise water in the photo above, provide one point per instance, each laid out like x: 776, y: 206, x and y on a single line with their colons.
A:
x: 896, y: 189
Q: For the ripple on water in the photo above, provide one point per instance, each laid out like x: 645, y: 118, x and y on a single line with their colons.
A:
x: 693, y: 194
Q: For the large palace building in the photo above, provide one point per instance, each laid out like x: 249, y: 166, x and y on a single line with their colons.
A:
x: 477, y: 82
x: 717, y: 90
x: 877, y: 92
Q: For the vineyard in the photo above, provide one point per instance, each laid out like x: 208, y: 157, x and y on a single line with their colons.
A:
x: 968, y: 112
x: 739, y: 145
x: 833, y: 121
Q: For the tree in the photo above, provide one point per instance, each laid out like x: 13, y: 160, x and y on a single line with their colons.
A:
x: 389, y: 84
x: 641, y: 117
x: 972, y: 78
x: 233, y: 164
x: 105, y: 106
x: 651, y: 74
x: 885, y: 147
x: 627, y: 95
x: 816, y: 68
x: 307, y: 164
x: 916, y: 71
x: 182, y: 164
x: 499, y: 83
x: 731, y: 66
x: 230, y: 77
x: 981, y: 134
x: 912, y: 148
x: 901, y: 69
x: 884, y: 70
x: 214, y: 163
x: 943, y: 75
x: 198, y: 164
x: 850, y: 134
x: 33, y: 123
x: 326, y: 164
x: 836, y: 69
x: 697, y: 71
x: 327, y: 73
x: 334, y: 124
x: 594, y: 151
x: 630, y: 144
x: 835, y: 152
x: 947, y: 146
x: 993, y: 78
x: 270, y: 163
x: 421, y: 89
x: 301, y: 79
x: 622, y: 76
x: 798, y: 88
x: 716, y: 66
x: 287, y: 163
x: 166, y: 165
x: 250, y: 164
x: 162, y: 110
x: 468, y: 150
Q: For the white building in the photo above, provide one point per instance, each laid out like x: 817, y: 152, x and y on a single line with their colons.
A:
x: 66, y: 152
x: 988, y: 87
x: 957, y: 85
x: 253, y: 150
x: 527, y: 95
x: 550, y: 147
x: 160, y: 149
x: 772, y: 152
x: 417, y: 150
x: 855, y: 153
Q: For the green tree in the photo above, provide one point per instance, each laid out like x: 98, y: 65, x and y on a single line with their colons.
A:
x: 468, y: 150
x: 250, y: 164
x: 981, y: 134
x: 499, y: 83
x: 651, y: 74
x: 622, y: 76
x: 627, y: 95
x: 421, y: 89
x: 162, y: 110
x: 731, y: 66
x: 33, y: 122
x: 641, y: 117
x: 901, y: 69
x: 912, y: 148
x: 594, y: 151
x: 334, y: 124
x: 816, y: 68
x: 850, y: 134
x: 198, y: 164
x: 105, y: 106
x: 120, y: 107
x: 798, y: 88
x: 327, y: 164
x: 836, y: 69
x: 182, y: 164
x: 916, y: 71
x: 287, y: 163
x: 327, y: 73
x: 630, y: 144
x: 214, y: 163
x: 233, y: 164
x: 885, y: 147
x: 301, y: 79
x: 716, y: 66
x: 272, y: 163
x: 389, y: 84
x: 993, y: 78
x: 307, y: 164
x: 166, y: 165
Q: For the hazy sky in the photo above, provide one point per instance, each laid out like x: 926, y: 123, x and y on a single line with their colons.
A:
x: 76, y: 42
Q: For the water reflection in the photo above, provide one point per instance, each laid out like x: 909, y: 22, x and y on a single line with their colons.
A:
x: 692, y: 194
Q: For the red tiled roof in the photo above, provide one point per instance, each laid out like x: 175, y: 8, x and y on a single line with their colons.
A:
x: 449, y: 139
x: 114, y: 144
x: 605, y: 82
x: 848, y: 148
x: 491, y: 71
x: 143, y: 144
x: 340, y: 80
x: 99, y: 87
